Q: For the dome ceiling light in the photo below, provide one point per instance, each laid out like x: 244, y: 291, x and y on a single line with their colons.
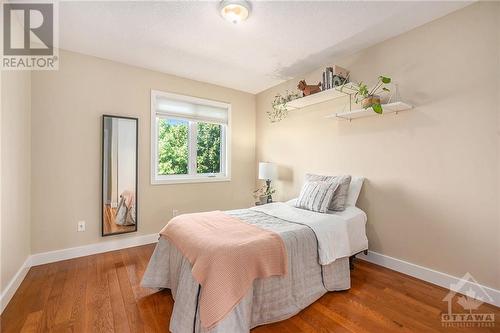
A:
x: 234, y: 11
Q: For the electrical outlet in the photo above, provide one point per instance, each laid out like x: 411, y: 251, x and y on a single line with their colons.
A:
x: 175, y: 212
x: 80, y: 226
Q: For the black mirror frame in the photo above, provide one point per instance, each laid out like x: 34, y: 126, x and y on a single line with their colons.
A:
x: 136, y: 174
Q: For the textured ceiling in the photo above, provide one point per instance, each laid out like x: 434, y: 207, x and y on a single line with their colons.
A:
x: 280, y: 40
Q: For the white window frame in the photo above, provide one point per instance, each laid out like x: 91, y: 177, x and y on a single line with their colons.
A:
x: 192, y: 176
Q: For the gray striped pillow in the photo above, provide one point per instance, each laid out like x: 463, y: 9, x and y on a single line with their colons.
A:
x: 340, y: 196
x: 316, y: 195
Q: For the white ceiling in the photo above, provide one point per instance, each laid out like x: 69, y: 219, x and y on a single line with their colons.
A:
x: 279, y: 41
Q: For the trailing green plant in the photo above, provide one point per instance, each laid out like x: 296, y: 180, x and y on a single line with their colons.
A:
x: 279, y: 110
x: 362, y: 92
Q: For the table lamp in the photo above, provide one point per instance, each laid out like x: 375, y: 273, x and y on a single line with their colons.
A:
x: 268, y: 171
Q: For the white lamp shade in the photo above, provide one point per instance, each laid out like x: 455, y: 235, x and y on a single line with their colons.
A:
x: 268, y: 171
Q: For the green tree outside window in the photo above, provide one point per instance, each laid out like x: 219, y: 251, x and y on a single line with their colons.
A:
x: 208, y: 152
x: 173, y: 147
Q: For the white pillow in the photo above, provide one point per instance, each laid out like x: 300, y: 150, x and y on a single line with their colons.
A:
x: 354, y: 190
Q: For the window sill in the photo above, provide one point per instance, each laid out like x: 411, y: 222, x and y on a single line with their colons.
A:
x: 181, y: 180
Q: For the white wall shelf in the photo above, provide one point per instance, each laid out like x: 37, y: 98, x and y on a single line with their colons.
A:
x: 320, y: 97
x: 361, y: 113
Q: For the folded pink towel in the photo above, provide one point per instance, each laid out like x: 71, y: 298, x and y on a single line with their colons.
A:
x: 226, y: 255
x: 129, y: 198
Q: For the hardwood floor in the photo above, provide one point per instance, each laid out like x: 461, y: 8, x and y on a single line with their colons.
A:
x: 101, y: 293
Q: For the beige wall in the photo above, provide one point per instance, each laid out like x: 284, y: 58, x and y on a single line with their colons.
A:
x: 432, y: 193
x: 15, y: 174
x: 66, y: 149
x: 498, y: 135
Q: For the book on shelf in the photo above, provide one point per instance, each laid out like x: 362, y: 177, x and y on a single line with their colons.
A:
x: 330, y: 77
x: 333, y: 76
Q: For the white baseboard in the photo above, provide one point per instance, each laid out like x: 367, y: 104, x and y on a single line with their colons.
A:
x: 86, y: 250
x: 435, y: 277
x: 14, y: 283
x: 70, y: 253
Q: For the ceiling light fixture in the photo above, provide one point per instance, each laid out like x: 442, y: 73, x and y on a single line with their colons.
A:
x: 235, y: 11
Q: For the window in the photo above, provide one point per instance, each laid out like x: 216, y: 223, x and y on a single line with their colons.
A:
x: 189, y: 139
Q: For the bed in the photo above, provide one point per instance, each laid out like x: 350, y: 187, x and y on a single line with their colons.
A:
x: 318, y: 247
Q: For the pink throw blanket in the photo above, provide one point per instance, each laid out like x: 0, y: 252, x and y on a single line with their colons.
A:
x: 227, y: 255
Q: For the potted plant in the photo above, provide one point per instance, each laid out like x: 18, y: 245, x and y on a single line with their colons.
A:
x: 261, y: 194
x: 279, y: 111
x: 370, y: 98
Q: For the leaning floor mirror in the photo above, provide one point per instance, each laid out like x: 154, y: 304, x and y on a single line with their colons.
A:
x: 119, y: 175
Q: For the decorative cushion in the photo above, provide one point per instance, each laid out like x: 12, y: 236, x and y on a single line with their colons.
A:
x: 340, y: 195
x: 316, y: 196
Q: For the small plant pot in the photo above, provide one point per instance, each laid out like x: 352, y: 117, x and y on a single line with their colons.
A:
x: 369, y: 101
x: 263, y: 199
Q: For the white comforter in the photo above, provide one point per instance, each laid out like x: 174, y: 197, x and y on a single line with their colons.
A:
x: 339, y: 234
